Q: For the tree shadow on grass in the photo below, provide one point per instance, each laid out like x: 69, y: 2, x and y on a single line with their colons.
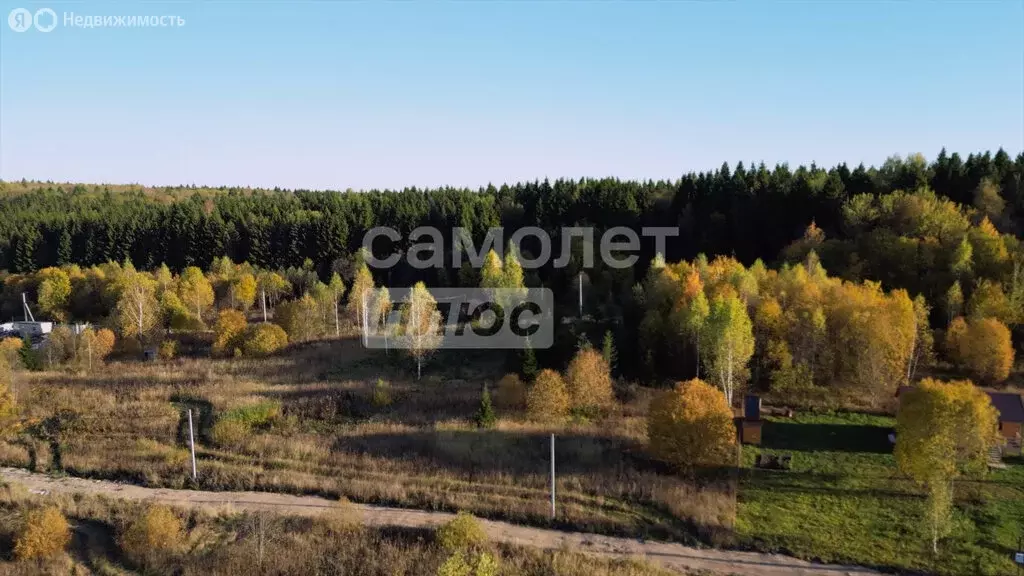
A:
x: 826, y: 437
x: 407, y: 403
x: 484, y: 451
x: 92, y: 543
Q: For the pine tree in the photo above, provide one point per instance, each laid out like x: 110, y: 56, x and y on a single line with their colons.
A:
x: 528, y: 363
x: 486, y: 418
x: 608, y: 351
x: 29, y: 358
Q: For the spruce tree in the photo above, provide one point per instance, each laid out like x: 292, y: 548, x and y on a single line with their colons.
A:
x: 528, y: 363
x: 486, y: 418
x: 608, y: 351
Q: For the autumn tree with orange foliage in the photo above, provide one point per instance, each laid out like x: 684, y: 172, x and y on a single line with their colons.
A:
x: 94, y: 346
x: 692, y: 425
x: 982, y: 346
x: 44, y: 534
x: 154, y: 532
x: 589, y: 382
x: 230, y: 325
x: 873, y: 335
x: 548, y: 398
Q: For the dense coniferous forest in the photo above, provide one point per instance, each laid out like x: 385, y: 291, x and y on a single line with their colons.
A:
x: 746, y: 211
x: 946, y: 230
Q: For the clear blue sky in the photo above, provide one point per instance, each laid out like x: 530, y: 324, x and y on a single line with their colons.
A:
x: 360, y: 94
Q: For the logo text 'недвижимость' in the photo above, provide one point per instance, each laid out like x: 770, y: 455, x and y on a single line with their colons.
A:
x: 46, y: 20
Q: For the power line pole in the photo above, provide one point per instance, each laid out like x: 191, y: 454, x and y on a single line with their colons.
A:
x: 581, y: 294
x: 552, y: 476
x: 192, y: 443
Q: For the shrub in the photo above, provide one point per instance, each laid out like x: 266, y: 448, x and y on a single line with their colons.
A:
x: 257, y: 415
x: 8, y: 405
x: 9, y: 348
x: 462, y: 564
x: 589, y: 381
x: 343, y: 519
x: 548, y: 398
x: 298, y: 318
x: 462, y: 532
x: 229, y: 433
x: 511, y: 393
x: 486, y: 418
x: 692, y: 425
x: 455, y: 565
x: 486, y: 565
x: 235, y: 425
x: 168, y: 349
x: 263, y: 339
x: 59, y: 346
x: 29, y: 358
x: 228, y: 329
x: 44, y: 534
x: 381, y: 394
x: 105, y: 340
x: 155, y: 530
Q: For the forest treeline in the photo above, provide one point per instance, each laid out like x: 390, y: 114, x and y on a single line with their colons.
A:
x: 940, y: 240
x: 749, y: 212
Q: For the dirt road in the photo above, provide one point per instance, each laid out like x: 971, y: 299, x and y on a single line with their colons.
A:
x: 673, y: 556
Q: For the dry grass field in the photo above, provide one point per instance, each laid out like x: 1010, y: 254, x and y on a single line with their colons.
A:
x: 208, y: 543
x: 313, y: 420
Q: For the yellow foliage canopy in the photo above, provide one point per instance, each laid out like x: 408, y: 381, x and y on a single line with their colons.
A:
x: 944, y: 429
x: 230, y: 325
x: 589, y: 381
x: 263, y: 339
x: 156, y: 529
x: 44, y: 534
x: 548, y: 398
x: 692, y: 425
x: 982, y: 346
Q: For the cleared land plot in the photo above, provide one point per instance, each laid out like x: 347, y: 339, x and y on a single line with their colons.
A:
x: 310, y: 421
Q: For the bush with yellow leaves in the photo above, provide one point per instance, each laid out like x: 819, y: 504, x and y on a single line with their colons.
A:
x: 45, y: 534
x: 460, y: 533
x: 692, y: 425
x: 548, y: 398
x: 263, y: 339
x: 154, y: 532
x: 589, y: 381
x: 228, y: 329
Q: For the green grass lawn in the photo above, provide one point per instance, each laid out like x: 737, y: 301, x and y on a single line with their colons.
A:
x: 844, y: 501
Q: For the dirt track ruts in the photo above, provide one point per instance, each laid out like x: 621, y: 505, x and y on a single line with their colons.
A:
x: 670, y: 555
